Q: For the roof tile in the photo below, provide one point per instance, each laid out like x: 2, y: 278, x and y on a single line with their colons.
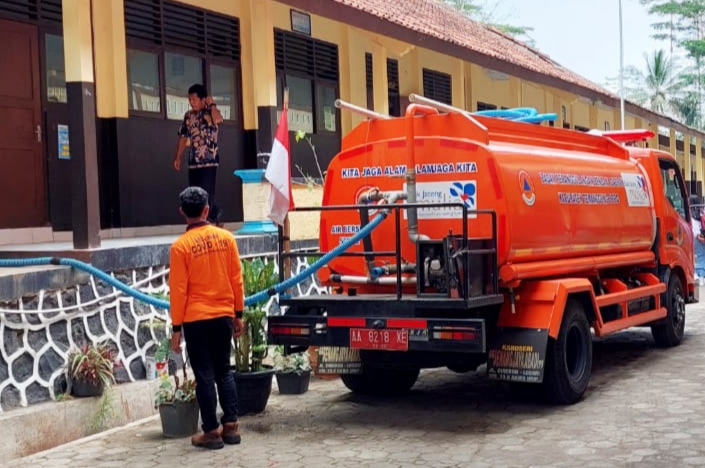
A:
x: 433, y: 18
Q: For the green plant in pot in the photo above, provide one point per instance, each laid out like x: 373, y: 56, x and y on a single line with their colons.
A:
x: 90, y: 369
x: 293, y: 371
x: 177, y: 405
x: 252, y: 377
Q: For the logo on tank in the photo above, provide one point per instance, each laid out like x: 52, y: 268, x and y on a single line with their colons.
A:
x: 526, y: 186
x: 636, y: 189
x: 464, y: 191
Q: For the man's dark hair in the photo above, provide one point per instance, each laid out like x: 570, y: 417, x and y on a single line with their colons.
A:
x: 193, y: 200
x: 199, y: 90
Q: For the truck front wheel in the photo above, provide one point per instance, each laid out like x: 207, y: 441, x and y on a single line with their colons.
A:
x: 381, y: 381
x: 669, y: 331
x: 569, y: 358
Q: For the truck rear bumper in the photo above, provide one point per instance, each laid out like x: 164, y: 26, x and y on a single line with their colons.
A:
x: 379, y: 333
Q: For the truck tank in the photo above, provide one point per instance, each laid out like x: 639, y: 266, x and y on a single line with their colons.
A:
x: 557, y: 194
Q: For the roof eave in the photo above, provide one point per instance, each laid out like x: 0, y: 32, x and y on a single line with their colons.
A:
x: 352, y: 16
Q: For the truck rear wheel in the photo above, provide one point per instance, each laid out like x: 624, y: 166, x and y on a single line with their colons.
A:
x: 669, y: 331
x: 381, y: 381
x: 569, y: 358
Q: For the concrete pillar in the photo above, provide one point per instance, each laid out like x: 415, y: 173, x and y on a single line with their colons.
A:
x: 409, y: 76
x: 469, y: 92
x: 458, y: 83
x: 259, y: 85
x: 78, y: 56
x: 110, y: 59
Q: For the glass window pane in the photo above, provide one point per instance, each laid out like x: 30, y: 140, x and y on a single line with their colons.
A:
x: 222, y: 89
x: 144, y: 89
x: 300, y: 115
x: 326, y: 112
x: 181, y: 72
x: 56, y: 77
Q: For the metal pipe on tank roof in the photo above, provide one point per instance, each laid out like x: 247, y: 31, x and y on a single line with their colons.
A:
x: 360, y: 110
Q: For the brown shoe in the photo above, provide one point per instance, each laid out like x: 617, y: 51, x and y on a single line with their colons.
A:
x: 210, y: 440
x: 231, y: 433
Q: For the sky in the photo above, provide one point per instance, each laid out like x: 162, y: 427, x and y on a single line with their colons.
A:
x: 583, y: 36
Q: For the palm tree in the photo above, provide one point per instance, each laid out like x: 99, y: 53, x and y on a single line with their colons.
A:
x: 660, y: 87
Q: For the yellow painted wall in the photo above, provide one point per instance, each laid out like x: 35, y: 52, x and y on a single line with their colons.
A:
x: 605, y: 114
x: 78, y: 41
x: 533, y: 95
x: 490, y: 87
x: 110, y: 59
x: 581, y: 113
x: 471, y: 83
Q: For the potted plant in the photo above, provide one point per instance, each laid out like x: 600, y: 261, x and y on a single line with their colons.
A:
x: 252, y: 377
x: 177, y: 405
x: 90, y: 369
x: 293, y: 372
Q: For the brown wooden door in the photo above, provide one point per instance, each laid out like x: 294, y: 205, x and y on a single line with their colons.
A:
x: 22, y: 186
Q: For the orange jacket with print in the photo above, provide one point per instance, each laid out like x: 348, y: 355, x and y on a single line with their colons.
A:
x: 206, y: 275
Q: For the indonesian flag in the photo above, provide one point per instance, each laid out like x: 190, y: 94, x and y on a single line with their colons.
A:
x: 278, y: 174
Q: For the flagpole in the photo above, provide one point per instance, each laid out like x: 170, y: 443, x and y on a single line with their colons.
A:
x: 621, y: 65
x: 286, y: 239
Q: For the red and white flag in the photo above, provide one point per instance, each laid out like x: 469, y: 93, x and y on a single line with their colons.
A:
x: 278, y: 173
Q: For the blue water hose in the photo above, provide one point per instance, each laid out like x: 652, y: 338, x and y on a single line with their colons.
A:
x: 162, y: 304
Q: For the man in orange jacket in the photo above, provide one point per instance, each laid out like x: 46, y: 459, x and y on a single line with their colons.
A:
x: 207, y: 300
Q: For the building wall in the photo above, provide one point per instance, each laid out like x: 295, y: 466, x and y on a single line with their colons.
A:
x: 137, y: 183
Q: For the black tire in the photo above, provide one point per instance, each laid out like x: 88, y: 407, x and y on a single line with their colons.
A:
x: 569, y: 358
x: 669, y: 331
x: 379, y: 381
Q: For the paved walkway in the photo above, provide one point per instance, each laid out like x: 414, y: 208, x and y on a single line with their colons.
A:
x: 644, y: 408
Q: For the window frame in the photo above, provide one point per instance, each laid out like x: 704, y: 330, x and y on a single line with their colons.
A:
x: 316, y: 82
x: 207, y: 59
x: 393, y: 95
x: 428, y: 74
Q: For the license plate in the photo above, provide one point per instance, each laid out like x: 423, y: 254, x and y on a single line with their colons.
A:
x: 390, y: 340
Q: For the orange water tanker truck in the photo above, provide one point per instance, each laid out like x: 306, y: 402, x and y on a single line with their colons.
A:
x: 503, y: 243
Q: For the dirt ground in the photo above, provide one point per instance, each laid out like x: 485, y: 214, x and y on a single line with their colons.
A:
x: 305, y: 225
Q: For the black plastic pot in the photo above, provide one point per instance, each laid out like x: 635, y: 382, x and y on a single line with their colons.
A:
x: 293, y: 382
x: 82, y: 389
x: 253, y: 390
x: 179, y: 419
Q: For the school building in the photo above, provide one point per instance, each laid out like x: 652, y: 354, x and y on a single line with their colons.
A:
x: 94, y: 91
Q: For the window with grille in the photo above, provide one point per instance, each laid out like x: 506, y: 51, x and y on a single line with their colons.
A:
x: 483, y: 106
x: 369, y: 81
x: 437, y: 86
x: 309, y: 69
x: 393, y: 87
x: 35, y: 11
x: 172, y: 46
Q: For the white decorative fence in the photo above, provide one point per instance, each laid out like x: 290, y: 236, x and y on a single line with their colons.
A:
x: 38, y: 332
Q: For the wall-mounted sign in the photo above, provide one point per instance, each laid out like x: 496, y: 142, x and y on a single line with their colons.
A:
x: 63, y: 137
x: 301, y: 22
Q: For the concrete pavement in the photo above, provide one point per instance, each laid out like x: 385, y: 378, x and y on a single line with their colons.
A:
x: 645, y: 408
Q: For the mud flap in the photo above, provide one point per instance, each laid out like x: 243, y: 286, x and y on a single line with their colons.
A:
x: 337, y: 360
x: 518, y: 355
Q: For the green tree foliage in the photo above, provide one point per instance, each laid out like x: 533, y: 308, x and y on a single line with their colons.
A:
x: 488, y: 12
x: 682, y: 24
